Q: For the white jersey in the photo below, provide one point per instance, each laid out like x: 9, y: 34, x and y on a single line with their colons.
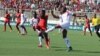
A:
x: 23, y: 19
x: 33, y: 21
x: 65, y: 19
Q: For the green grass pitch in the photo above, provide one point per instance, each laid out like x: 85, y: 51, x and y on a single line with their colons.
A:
x: 14, y: 44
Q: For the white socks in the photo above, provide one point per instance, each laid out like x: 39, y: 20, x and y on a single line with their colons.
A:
x: 67, y: 42
x: 50, y: 29
x: 22, y: 31
x: 40, y: 40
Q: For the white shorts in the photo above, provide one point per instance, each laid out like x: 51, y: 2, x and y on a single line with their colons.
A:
x: 65, y: 25
x: 22, y: 23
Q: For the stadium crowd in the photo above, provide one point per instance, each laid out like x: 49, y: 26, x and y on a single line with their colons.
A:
x: 77, y: 5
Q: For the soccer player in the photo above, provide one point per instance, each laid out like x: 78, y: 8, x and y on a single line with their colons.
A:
x: 65, y: 18
x: 7, y: 20
x: 34, y: 21
x: 87, y: 25
x: 18, y: 19
x: 23, y: 20
x: 42, y: 27
x: 96, y: 24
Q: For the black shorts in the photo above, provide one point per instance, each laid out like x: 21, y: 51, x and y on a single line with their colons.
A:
x: 97, y: 27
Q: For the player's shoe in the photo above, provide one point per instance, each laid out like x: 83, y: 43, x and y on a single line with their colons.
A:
x: 39, y: 46
x: 23, y: 33
x: 70, y: 49
x: 10, y: 30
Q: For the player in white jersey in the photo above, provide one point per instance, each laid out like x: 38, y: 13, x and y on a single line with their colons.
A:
x: 34, y: 21
x: 65, y: 18
x: 23, y: 20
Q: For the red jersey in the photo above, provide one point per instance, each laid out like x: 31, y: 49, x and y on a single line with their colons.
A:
x: 87, y: 22
x: 7, y: 18
x: 43, y: 23
x: 18, y: 16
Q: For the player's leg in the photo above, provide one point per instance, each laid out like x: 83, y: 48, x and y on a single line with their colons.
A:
x: 23, y: 27
x: 64, y: 33
x: 90, y: 31
x: 40, y: 36
x: 10, y: 26
x: 5, y: 26
x: 85, y: 30
x: 97, y: 30
x: 52, y: 28
x: 47, y: 40
x: 17, y: 27
x: 34, y: 28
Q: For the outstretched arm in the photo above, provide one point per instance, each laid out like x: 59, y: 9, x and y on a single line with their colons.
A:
x: 55, y: 16
x: 75, y: 15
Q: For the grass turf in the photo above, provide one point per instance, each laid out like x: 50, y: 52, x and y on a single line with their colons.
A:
x: 14, y: 44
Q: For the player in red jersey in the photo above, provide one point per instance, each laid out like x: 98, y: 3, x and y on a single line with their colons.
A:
x: 42, y: 27
x: 87, y: 25
x: 7, y: 20
x: 18, y: 16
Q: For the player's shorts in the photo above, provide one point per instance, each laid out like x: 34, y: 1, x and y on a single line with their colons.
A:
x: 6, y: 20
x: 22, y: 23
x: 41, y: 28
x: 97, y: 27
x: 65, y: 25
x: 87, y: 26
x: 18, y: 21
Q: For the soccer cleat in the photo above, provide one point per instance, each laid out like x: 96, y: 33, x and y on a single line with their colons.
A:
x: 39, y: 46
x: 10, y: 30
x: 70, y: 49
x: 23, y: 33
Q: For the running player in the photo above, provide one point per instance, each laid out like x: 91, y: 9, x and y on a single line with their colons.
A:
x: 7, y: 20
x: 65, y: 18
x: 23, y: 20
x: 87, y: 25
x: 96, y: 24
x: 41, y: 27
x: 18, y: 16
x: 34, y: 21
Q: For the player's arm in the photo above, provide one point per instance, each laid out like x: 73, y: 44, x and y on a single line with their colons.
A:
x: 55, y: 16
x: 75, y: 15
